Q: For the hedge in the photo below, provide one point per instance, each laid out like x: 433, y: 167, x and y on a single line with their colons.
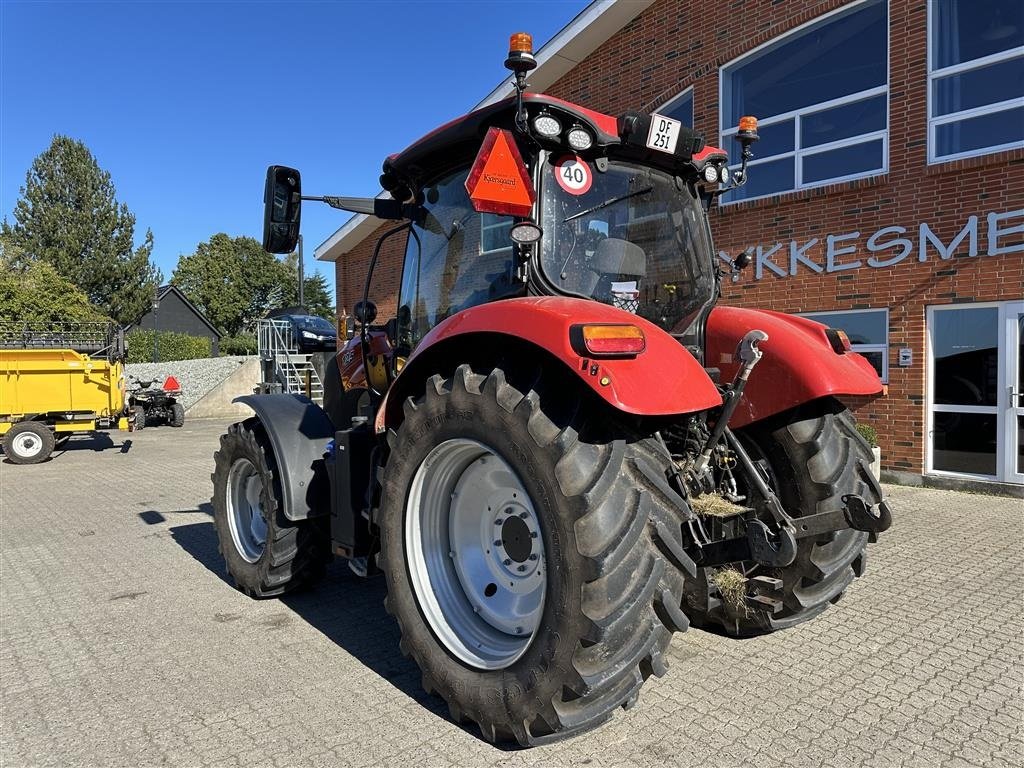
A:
x: 242, y: 344
x: 171, y: 346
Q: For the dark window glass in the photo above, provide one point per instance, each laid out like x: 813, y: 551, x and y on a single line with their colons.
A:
x: 964, y: 442
x: 861, y: 327
x: 988, y: 85
x: 774, y: 139
x: 991, y: 130
x: 846, y: 161
x: 680, y: 108
x: 965, y: 346
x: 1020, y: 443
x: 875, y: 358
x: 766, y: 179
x: 843, y: 122
x: 964, y: 31
x: 842, y: 55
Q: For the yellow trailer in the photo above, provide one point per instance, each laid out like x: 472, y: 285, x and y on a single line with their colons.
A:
x: 56, y: 381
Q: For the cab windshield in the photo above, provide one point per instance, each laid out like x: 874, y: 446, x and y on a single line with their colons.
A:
x: 631, y: 236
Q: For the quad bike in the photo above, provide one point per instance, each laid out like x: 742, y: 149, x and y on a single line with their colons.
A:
x: 560, y: 451
x: 150, y: 405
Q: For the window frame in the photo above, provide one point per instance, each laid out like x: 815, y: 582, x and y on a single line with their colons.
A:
x: 797, y: 153
x: 883, y: 348
x: 935, y: 122
x: 681, y: 95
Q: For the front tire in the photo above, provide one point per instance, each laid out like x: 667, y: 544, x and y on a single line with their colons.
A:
x: 591, y: 602
x: 814, y: 456
x: 265, y: 553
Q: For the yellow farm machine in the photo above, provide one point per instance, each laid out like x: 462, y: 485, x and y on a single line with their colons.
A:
x: 57, y: 380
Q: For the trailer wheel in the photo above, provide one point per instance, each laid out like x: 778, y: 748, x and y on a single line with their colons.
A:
x: 814, y: 456
x: 523, y: 545
x: 265, y: 553
x: 28, y: 442
x: 177, y: 415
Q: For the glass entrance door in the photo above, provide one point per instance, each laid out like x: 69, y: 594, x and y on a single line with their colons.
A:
x: 1013, y: 428
x: 975, y: 403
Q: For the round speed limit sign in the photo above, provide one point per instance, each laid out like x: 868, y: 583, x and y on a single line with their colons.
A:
x: 573, y: 174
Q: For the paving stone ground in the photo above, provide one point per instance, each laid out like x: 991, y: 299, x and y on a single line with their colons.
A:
x: 122, y: 644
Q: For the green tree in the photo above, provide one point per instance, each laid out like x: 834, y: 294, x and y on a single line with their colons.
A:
x: 68, y: 216
x: 231, y: 279
x: 316, y: 294
x: 32, y: 291
x: 318, y: 297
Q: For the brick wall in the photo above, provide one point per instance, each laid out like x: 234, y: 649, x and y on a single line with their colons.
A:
x: 678, y: 43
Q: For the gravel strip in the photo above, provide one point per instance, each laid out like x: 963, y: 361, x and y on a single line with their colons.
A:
x: 197, y: 377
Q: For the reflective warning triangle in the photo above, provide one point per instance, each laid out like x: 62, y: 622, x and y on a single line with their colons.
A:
x: 499, y: 182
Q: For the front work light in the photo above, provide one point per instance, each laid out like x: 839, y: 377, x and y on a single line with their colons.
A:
x: 607, y: 340
x: 546, y: 125
x: 525, y: 232
x: 580, y: 139
x: 710, y: 174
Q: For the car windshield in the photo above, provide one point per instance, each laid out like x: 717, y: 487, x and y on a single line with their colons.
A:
x: 311, y: 323
x: 630, y: 236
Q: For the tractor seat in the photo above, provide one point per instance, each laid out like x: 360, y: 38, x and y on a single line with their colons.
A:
x: 614, y: 272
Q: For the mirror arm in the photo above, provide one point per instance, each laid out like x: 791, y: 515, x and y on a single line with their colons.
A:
x: 372, y: 206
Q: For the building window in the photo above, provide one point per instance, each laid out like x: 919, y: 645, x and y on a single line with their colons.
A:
x: 680, y: 108
x: 975, y: 78
x: 820, y: 94
x: 868, y: 330
x: 495, y: 233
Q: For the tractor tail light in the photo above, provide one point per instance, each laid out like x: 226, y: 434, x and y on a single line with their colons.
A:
x: 607, y: 340
x: 839, y: 340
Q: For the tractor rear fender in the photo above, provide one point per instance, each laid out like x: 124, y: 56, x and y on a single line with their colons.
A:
x: 663, y: 379
x: 799, y: 363
x: 298, y: 430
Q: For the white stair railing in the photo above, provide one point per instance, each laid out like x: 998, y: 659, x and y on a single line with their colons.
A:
x: 292, y: 370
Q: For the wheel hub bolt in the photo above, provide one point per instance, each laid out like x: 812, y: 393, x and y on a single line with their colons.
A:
x: 523, y: 515
x: 533, y: 534
x: 497, y: 542
x: 522, y: 568
x: 499, y: 521
x: 533, y: 557
x: 508, y: 561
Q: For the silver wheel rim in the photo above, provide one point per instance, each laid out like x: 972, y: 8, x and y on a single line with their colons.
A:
x: 475, y: 553
x: 245, y: 510
x: 27, y: 445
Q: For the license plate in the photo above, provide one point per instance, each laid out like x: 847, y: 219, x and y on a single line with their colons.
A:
x: 664, y: 133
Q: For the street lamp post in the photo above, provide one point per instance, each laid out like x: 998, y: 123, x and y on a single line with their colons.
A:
x: 156, y: 326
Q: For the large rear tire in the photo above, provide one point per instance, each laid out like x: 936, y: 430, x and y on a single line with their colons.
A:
x: 488, y: 485
x: 177, y: 415
x: 265, y: 553
x: 814, y: 456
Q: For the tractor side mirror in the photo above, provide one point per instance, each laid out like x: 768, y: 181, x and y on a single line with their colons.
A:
x: 365, y: 312
x: 282, y: 209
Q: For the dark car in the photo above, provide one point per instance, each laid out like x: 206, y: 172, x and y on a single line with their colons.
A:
x: 312, y: 334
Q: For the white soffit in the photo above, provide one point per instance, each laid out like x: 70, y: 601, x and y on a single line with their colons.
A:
x: 594, y: 25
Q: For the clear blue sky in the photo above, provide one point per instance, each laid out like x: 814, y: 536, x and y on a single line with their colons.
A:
x: 186, y: 103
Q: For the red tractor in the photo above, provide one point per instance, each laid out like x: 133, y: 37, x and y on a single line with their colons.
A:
x: 559, y: 451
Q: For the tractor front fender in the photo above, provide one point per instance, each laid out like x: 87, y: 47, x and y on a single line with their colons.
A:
x: 664, y: 379
x: 298, y: 430
x: 799, y: 364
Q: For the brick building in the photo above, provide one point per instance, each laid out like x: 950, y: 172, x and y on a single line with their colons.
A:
x: 886, y: 197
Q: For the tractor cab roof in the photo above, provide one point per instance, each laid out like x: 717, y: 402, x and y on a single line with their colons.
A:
x: 457, y: 142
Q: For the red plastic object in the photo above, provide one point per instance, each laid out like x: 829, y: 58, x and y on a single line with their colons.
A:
x: 799, y: 363
x: 171, y: 385
x: 498, y: 182
x: 663, y: 379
